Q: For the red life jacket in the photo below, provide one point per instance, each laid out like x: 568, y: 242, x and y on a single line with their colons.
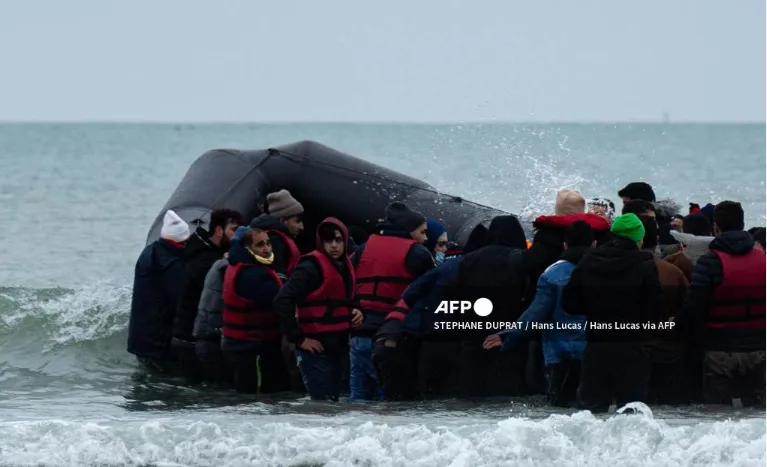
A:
x: 382, y: 275
x: 738, y: 303
x: 293, y: 251
x: 243, y: 319
x: 327, y: 309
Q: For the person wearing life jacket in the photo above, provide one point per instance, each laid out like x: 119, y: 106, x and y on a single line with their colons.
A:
x: 209, y: 320
x: 317, y: 309
x: 385, y: 265
x: 157, y: 282
x: 666, y: 384
x: 546, y: 249
x: 203, y: 248
x: 727, y: 297
x: 563, y: 344
x: 284, y: 223
x: 617, y: 288
x: 495, y: 272
x: 397, y: 366
x: 251, y: 339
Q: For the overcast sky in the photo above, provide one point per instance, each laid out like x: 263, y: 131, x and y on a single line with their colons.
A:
x: 403, y: 60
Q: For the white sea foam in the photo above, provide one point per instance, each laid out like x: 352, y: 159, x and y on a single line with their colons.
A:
x: 566, y: 440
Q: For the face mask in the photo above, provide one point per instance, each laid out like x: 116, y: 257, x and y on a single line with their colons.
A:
x: 260, y: 259
x: 439, y: 257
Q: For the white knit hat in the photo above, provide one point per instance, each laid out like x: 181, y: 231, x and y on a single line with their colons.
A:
x: 174, y: 228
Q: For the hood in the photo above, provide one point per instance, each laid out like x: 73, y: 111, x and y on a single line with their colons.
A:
x: 616, y: 257
x: 433, y: 231
x: 267, y: 222
x: 667, y: 208
x: 736, y: 243
x: 337, y: 224
x: 694, y: 246
x: 506, y: 231
x: 596, y: 222
x: 238, y: 254
x: 199, y: 242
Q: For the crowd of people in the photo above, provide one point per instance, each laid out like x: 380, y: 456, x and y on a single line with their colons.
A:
x: 647, y: 305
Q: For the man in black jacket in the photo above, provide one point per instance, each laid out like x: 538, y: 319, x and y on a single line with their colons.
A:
x: 495, y: 272
x: 202, y: 250
x: 727, y: 298
x: 617, y: 288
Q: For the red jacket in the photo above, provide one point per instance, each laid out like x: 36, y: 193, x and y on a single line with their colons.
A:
x: 738, y: 302
x: 328, y: 308
x: 243, y: 320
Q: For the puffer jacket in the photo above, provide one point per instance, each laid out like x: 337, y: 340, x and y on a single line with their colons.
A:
x: 207, y: 324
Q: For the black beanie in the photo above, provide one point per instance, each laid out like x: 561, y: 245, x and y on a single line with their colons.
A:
x: 638, y: 190
x: 507, y: 231
x: 398, y: 214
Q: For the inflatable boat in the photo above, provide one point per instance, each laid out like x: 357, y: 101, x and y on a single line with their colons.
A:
x: 325, y: 181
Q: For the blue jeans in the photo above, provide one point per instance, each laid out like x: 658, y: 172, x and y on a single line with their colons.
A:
x: 322, y: 374
x: 363, y: 380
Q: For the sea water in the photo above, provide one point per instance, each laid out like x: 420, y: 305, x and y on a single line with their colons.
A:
x: 77, y: 202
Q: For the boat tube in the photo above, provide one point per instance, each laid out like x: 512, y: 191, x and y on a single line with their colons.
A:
x: 325, y: 181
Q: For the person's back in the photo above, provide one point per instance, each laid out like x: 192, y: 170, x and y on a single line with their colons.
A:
x: 617, y: 288
x: 667, y: 383
x: 157, y: 284
x: 727, y: 297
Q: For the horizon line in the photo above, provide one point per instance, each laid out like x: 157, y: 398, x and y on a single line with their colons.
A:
x: 378, y: 122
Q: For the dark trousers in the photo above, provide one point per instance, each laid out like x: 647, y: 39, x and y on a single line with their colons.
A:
x: 734, y: 375
x: 397, y: 368
x: 322, y: 373
x: 667, y: 382
x: 214, y: 367
x: 485, y: 373
x: 563, y: 380
x: 187, y: 359
x: 438, y: 369
x: 291, y: 363
x: 259, y: 368
x: 613, y: 370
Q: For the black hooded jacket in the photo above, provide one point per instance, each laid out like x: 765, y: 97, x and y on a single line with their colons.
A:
x: 495, y: 272
x: 200, y: 255
x: 706, y: 276
x: 267, y: 222
x: 306, y: 278
x: 617, y: 288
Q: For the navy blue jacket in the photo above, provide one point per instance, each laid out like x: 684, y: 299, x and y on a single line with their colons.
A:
x: 157, y: 282
x: 253, y: 283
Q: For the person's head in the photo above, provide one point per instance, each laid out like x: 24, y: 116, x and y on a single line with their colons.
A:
x: 637, y: 190
x: 650, y: 239
x: 579, y: 234
x: 333, y: 236
x: 569, y: 202
x: 758, y: 234
x: 677, y: 222
x: 697, y: 224
x: 174, y: 229
x: 402, y: 217
x: 639, y: 207
x: 507, y: 231
x: 602, y: 207
x: 283, y: 206
x: 436, y: 240
x: 257, y: 242
x: 629, y: 226
x: 728, y: 217
x: 223, y: 223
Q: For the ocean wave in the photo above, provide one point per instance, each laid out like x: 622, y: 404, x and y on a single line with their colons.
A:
x: 57, y: 317
x: 568, y: 440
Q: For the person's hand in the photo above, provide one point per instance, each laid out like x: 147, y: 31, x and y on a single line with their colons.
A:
x: 391, y: 343
x: 492, y: 342
x: 357, y: 318
x: 311, y: 346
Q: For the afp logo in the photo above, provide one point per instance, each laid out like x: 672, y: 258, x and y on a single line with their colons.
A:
x: 482, y: 307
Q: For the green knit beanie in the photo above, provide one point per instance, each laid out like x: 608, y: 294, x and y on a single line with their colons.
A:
x: 629, y: 226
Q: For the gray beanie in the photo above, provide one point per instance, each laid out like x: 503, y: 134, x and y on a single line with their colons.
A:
x: 283, y: 205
